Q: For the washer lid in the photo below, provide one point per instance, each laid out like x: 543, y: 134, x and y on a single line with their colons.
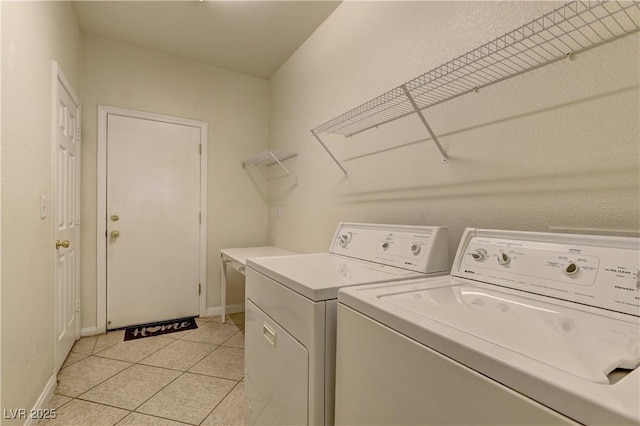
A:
x: 585, y: 345
x: 319, y: 276
x: 555, y: 352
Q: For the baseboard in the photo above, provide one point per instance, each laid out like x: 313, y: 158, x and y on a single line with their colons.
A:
x: 89, y: 331
x: 230, y: 309
x: 42, y: 404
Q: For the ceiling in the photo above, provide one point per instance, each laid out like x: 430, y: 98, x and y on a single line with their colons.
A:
x: 249, y: 37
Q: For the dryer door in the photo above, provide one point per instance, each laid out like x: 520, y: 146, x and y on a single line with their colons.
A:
x: 277, y: 372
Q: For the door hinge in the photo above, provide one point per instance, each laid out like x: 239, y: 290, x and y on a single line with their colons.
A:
x: 77, y: 138
x: 200, y: 217
x: 78, y: 306
x: 200, y: 149
x: 199, y: 289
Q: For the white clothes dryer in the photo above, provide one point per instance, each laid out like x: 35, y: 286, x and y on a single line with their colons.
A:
x: 529, y: 328
x: 291, y: 314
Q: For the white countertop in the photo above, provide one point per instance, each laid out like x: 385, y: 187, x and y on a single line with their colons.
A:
x: 241, y: 254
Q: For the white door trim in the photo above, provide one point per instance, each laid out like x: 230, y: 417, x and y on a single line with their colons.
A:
x: 103, y: 112
x: 48, y: 209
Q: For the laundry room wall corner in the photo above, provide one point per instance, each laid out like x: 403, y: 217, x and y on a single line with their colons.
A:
x: 557, y: 146
x: 122, y: 76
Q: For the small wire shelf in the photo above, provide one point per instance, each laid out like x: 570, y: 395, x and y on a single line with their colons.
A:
x: 567, y: 30
x: 263, y: 159
x: 269, y: 157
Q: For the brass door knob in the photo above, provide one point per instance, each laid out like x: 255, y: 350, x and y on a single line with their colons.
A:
x: 115, y: 234
x: 115, y: 217
x: 63, y: 244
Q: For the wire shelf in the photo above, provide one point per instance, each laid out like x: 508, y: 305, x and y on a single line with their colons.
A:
x: 570, y: 29
x: 269, y: 157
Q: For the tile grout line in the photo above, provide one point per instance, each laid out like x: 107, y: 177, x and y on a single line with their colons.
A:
x: 127, y: 368
x: 75, y: 362
x: 218, y: 404
x: 98, y: 384
x: 182, y: 373
x: 205, y: 375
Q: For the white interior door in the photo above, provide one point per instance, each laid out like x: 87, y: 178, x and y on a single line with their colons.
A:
x: 66, y: 205
x: 153, y: 220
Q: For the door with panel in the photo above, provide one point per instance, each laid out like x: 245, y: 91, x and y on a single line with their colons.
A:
x: 66, y: 206
x: 153, y: 220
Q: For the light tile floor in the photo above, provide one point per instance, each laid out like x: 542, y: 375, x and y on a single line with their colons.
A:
x: 192, y: 377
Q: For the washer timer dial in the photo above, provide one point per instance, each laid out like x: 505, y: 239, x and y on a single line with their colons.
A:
x: 479, y: 255
x: 570, y: 268
x: 503, y: 258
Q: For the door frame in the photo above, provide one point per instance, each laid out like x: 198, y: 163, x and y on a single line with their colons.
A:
x: 101, y: 208
x: 47, y: 210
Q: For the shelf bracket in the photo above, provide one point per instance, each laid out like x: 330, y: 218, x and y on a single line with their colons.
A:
x: 445, y: 157
x: 329, y: 152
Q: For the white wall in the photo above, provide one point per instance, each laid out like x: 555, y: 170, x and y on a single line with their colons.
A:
x: 555, y: 147
x: 235, y: 107
x: 33, y: 35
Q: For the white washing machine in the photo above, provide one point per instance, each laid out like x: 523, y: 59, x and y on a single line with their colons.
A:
x: 291, y: 314
x: 530, y: 328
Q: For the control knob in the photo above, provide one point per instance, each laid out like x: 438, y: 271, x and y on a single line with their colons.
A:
x: 345, y: 239
x: 504, y: 258
x: 415, y: 248
x: 385, y: 245
x: 479, y: 254
x: 570, y: 268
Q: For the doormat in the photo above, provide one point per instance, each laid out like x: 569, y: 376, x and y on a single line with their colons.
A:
x: 158, y: 328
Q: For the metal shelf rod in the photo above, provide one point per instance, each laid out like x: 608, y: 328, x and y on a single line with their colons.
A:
x: 283, y: 167
x: 445, y: 157
x: 329, y: 152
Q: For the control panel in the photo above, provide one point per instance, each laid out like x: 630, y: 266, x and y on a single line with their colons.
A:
x: 593, y: 270
x: 417, y: 248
